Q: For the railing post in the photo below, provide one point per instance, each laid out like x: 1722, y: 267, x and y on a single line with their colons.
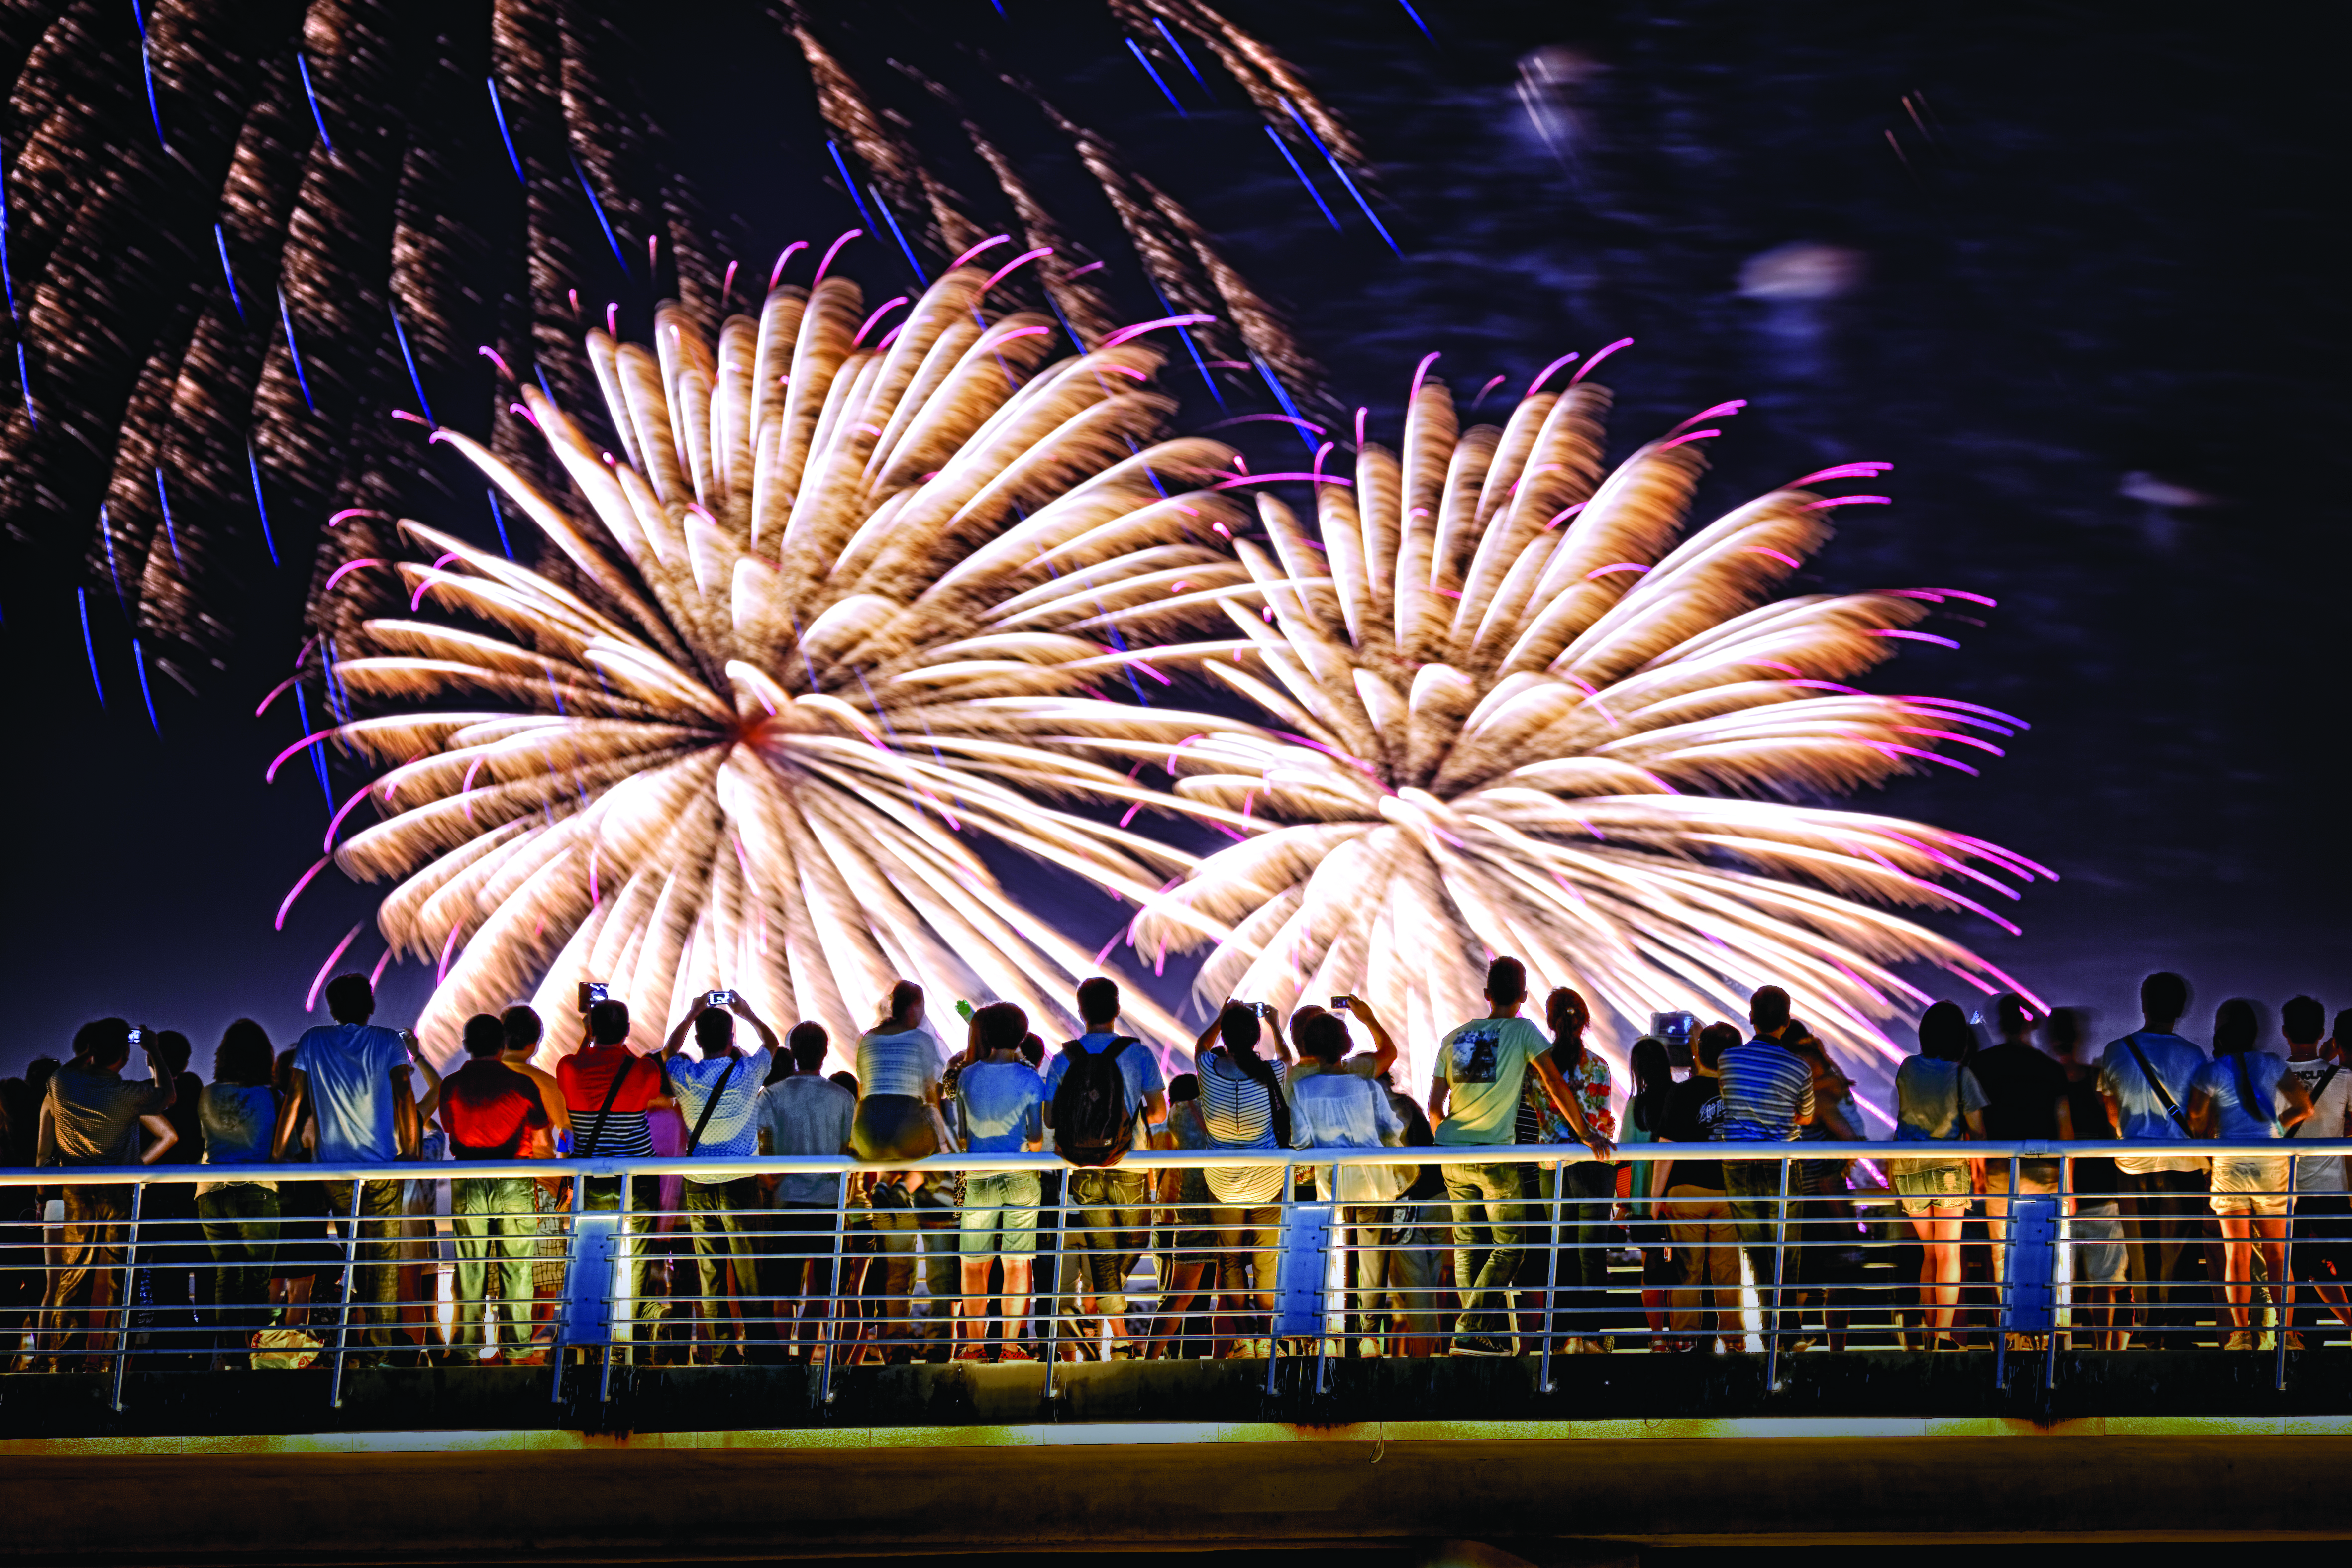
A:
x: 344, y: 1316
x: 2282, y: 1288
x: 2005, y: 1291
x: 1289, y: 1209
x: 1779, y: 1256
x: 576, y: 1265
x: 1551, y: 1274
x: 1061, y: 1278
x: 627, y: 1276
x: 2050, y: 1344
x: 830, y: 1339
x: 130, y: 1285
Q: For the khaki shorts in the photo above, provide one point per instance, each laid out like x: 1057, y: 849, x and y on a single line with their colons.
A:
x: 2250, y: 1185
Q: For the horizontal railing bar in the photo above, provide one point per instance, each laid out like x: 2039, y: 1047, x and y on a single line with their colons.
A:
x: 1938, y: 1152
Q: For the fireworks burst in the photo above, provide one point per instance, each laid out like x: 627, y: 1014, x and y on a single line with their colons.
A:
x: 1524, y: 714
x: 815, y: 636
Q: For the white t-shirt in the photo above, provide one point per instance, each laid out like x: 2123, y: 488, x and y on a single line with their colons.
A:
x: 350, y: 1068
x: 2331, y: 1117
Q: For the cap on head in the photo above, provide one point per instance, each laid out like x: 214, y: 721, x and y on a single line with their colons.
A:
x: 1099, y: 1000
x: 351, y: 999
x: 486, y: 1036
x: 1768, y: 1008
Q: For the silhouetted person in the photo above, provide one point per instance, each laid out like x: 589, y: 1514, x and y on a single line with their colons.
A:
x: 2094, y: 1228
x: 352, y: 1079
x: 236, y: 1202
x: 2144, y: 1078
x: 2246, y: 1096
x: 2321, y: 1255
x: 92, y: 1115
x: 1767, y: 1088
x: 489, y: 1110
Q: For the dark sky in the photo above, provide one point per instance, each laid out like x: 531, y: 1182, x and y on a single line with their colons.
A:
x: 2108, y: 251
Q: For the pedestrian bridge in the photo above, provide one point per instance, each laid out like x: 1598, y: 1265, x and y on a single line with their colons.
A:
x: 614, y: 1447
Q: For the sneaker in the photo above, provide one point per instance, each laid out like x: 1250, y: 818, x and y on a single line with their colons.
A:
x: 971, y: 1352
x: 1014, y: 1352
x: 2293, y: 1340
x: 1480, y: 1344
x: 2240, y: 1341
x: 1249, y: 1350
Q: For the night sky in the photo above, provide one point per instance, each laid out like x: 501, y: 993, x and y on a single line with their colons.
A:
x: 2095, y: 321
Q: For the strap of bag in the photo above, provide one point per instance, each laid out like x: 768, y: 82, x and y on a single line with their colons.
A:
x: 2171, y: 1105
x: 695, y: 1139
x: 2303, y: 1128
x: 588, y: 1150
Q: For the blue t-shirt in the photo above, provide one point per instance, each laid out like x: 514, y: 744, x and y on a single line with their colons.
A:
x: 733, y: 1130
x: 238, y: 1121
x: 1000, y: 1105
x: 2233, y: 1120
x: 1139, y: 1065
x: 349, y: 1066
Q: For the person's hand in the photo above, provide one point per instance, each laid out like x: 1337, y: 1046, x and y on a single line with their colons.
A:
x: 1601, y: 1147
x: 739, y: 1007
x: 700, y: 1005
x: 1360, y: 1008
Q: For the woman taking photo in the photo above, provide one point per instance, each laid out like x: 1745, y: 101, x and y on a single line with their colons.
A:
x: 2246, y: 1096
x: 1937, y: 1100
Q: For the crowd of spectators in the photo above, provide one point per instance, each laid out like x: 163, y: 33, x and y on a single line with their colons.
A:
x: 245, y: 1263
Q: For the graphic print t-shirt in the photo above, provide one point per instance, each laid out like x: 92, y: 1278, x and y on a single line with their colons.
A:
x: 1485, y: 1065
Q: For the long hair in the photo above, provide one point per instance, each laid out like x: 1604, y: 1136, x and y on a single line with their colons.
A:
x: 244, y: 1056
x: 1565, y: 1011
x: 1238, y: 1027
x: 1653, y: 1079
x: 1944, y: 1033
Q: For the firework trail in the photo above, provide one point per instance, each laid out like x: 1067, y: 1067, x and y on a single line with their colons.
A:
x: 815, y: 633
x: 1516, y: 709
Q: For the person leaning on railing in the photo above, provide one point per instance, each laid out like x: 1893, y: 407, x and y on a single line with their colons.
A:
x: 1936, y: 1101
x: 1339, y: 1109
x: 1768, y: 1098
x: 489, y: 1110
x: 610, y: 1091
x: 715, y: 1095
x: 1246, y: 1104
x: 237, y: 1207
x: 2322, y: 1256
x: 1699, y: 1222
x: 1482, y: 1067
x: 802, y: 1112
x: 2094, y: 1226
x: 2144, y: 1078
x: 351, y: 1078
x: 93, y: 1116
x: 2247, y: 1095
x: 1107, y: 1217
x: 1572, y: 1245
x: 1001, y: 1103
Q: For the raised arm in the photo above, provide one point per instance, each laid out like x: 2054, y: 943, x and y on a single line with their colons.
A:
x: 1384, y: 1050
x: 676, y: 1041
x: 430, y: 1100
x: 743, y: 1010
x: 164, y: 1080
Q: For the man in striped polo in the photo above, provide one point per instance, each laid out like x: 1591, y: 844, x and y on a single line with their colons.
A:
x: 1766, y: 1095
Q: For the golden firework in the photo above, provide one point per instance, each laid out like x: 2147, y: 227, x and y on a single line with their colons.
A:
x: 809, y: 642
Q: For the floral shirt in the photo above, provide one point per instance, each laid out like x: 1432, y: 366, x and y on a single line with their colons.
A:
x: 1541, y: 1122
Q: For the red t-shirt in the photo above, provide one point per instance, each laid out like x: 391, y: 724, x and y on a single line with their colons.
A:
x: 487, y: 1107
x: 586, y: 1077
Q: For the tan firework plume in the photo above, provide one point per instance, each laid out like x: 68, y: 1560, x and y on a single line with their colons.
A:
x: 1519, y: 712
x: 814, y: 639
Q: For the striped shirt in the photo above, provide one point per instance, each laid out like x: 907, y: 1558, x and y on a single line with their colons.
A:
x: 1767, y: 1093
x: 1239, y: 1113
x: 732, y: 1132
x: 586, y: 1077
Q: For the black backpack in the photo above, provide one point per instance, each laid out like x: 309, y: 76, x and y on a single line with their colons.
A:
x: 1092, y: 1125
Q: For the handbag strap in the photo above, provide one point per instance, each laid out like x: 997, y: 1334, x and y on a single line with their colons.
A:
x: 597, y: 1134
x: 2246, y: 1097
x: 2171, y: 1105
x: 694, y: 1139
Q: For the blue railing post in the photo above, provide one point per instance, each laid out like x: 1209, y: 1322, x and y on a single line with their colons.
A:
x: 123, y: 1302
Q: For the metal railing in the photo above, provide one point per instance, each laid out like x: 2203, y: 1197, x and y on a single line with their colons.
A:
x: 1507, y: 1249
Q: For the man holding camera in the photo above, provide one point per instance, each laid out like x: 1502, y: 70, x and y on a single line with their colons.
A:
x: 718, y: 1095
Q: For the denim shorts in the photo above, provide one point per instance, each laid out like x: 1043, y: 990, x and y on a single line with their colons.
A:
x: 1926, y: 1188
x: 1000, y: 1214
